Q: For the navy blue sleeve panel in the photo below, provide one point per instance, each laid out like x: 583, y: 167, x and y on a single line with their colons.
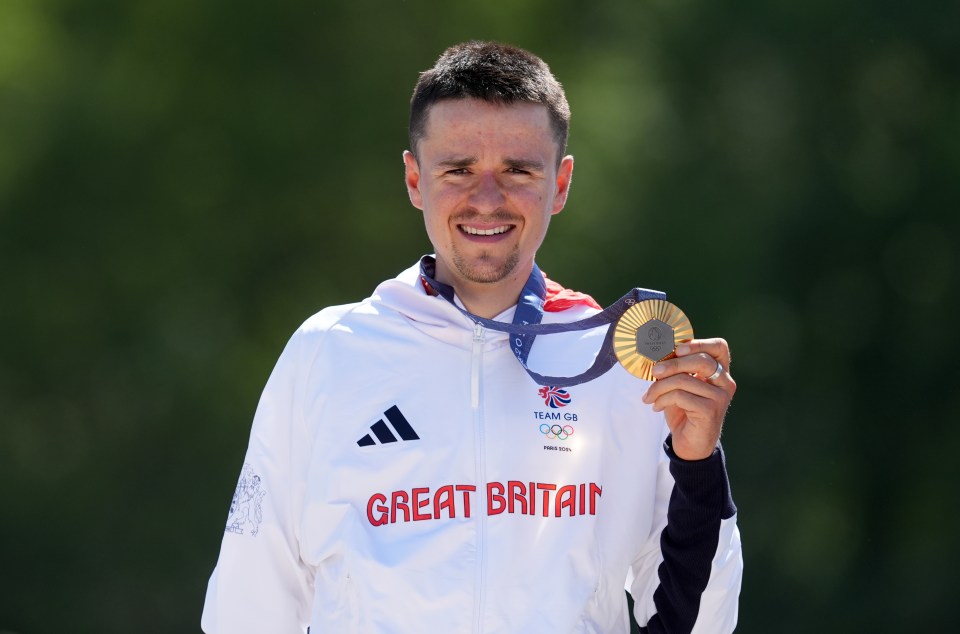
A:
x: 700, y: 501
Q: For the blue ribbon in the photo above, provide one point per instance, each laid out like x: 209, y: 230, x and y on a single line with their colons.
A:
x: 526, y: 324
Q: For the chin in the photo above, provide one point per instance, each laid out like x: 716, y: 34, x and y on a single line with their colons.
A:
x: 487, y: 272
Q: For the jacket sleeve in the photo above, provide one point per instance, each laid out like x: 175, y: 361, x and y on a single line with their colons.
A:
x: 691, y: 582
x: 260, y: 583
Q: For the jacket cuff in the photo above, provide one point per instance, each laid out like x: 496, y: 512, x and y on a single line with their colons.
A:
x: 702, y: 483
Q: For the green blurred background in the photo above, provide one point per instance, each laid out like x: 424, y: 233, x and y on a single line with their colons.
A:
x: 183, y: 182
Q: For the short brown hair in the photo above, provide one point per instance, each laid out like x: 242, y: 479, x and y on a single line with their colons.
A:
x: 493, y: 72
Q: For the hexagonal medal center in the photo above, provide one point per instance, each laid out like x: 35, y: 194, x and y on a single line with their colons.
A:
x: 655, y: 340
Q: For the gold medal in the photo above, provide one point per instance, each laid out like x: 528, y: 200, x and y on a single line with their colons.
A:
x: 649, y: 332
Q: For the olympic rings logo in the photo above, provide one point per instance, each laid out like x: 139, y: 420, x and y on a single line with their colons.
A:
x: 556, y: 431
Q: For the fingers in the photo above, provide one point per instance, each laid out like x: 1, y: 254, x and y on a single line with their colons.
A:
x: 700, y: 357
x: 717, y: 348
x: 701, y: 364
x: 701, y: 409
x: 673, y: 390
x: 685, y: 376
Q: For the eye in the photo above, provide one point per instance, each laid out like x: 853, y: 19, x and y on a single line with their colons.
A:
x: 518, y: 170
x: 460, y: 171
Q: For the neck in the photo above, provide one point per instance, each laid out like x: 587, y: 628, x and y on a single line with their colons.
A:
x: 489, y: 302
x: 488, y: 299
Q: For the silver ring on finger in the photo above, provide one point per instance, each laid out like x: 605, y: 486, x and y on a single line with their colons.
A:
x: 716, y: 374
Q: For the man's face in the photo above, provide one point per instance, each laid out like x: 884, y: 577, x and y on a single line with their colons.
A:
x: 487, y: 181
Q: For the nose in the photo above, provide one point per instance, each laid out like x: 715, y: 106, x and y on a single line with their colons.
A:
x: 487, y: 194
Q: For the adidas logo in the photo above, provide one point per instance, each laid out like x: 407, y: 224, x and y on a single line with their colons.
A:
x: 383, y: 432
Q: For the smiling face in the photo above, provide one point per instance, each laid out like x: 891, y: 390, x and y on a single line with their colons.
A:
x: 487, y: 179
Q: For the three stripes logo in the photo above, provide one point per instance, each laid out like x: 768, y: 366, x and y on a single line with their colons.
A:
x: 383, y: 432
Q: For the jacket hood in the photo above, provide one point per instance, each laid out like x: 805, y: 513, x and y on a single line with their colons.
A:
x: 433, y: 315
x: 407, y: 295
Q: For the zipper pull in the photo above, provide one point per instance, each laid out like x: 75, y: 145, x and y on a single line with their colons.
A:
x: 475, y: 369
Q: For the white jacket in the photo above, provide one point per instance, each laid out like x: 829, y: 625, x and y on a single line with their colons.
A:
x: 405, y: 474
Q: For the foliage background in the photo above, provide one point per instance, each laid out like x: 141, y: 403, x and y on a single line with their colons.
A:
x: 182, y: 183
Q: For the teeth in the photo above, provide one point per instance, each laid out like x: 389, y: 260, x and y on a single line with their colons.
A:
x: 485, y: 232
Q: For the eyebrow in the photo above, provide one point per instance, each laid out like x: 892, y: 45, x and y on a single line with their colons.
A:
x: 457, y: 163
x: 531, y: 165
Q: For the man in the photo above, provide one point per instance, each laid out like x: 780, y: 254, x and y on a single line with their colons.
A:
x: 413, y: 477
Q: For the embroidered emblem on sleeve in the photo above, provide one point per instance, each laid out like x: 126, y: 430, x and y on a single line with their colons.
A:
x: 245, y: 510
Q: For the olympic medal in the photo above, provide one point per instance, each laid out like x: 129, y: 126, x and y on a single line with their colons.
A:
x: 647, y: 333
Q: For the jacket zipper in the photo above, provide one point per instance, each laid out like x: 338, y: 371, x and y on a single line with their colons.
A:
x: 480, y: 457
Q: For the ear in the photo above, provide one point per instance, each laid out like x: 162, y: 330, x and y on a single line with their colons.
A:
x: 564, y: 177
x: 412, y: 178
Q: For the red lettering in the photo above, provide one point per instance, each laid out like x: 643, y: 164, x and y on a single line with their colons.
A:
x: 513, y: 497
x: 419, y: 503
x: 467, y: 490
x: 399, y: 502
x: 516, y: 491
x: 445, y: 503
x: 546, y: 488
x: 595, y: 491
x: 566, y: 499
x: 495, y: 497
x: 379, y: 498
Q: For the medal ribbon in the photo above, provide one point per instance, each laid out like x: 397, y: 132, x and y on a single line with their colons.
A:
x: 526, y: 324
